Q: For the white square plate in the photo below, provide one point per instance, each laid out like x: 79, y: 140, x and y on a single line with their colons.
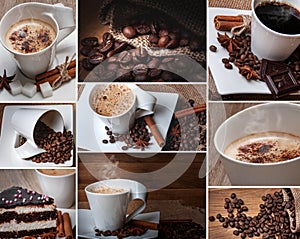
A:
x: 66, y: 92
x: 229, y: 81
x: 91, y: 129
x: 8, y: 156
x: 86, y: 227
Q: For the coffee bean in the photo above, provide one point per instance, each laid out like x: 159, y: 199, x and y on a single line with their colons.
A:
x: 86, y: 64
x: 107, y: 36
x: 211, y: 218
x: 106, y: 46
x: 213, y: 48
x: 86, y: 50
x: 228, y: 66
x: 105, y: 141
x: 96, y: 58
x: 89, y: 41
x: 194, y: 45
x: 142, y: 29
x: 163, y: 41
x: 129, y: 32
x: 163, y: 33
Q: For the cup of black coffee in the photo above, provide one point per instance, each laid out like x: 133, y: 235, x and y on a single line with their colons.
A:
x: 275, y: 28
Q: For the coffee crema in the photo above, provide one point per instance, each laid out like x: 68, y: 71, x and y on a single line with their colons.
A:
x: 56, y: 172
x: 113, y: 100
x: 101, y: 189
x: 30, y: 36
x: 279, y: 17
x: 265, y: 147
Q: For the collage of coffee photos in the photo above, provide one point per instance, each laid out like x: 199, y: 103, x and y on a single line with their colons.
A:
x: 149, y: 119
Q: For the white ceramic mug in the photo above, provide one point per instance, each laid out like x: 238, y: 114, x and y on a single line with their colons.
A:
x: 143, y: 104
x: 269, y: 44
x: 109, y: 210
x: 59, y: 17
x: 280, y: 117
x: 60, y: 187
x: 24, y: 122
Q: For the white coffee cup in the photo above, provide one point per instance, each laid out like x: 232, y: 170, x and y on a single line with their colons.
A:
x: 142, y: 104
x: 269, y: 44
x: 60, y: 186
x: 109, y: 209
x: 24, y: 121
x: 59, y: 17
x: 280, y: 117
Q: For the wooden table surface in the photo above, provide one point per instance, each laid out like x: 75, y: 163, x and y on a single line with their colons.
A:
x: 183, y: 198
x: 251, y: 198
x: 8, y: 4
x: 219, y: 112
x: 25, y: 178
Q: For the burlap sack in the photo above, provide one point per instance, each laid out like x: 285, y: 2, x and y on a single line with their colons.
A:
x: 189, y: 14
x: 295, y: 193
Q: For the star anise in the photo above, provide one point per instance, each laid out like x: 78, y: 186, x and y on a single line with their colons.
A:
x: 5, y: 80
x: 227, y: 42
x: 141, y: 143
x: 248, y: 73
x: 176, y: 131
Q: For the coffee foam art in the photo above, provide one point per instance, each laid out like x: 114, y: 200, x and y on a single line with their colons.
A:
x: 265, y: 147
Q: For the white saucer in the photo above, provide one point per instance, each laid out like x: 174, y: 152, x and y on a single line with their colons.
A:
x: 229, y: 81
x: 66, y: 92
x: 86, y: 228
x: 9, y: 157
x: 91, y: 129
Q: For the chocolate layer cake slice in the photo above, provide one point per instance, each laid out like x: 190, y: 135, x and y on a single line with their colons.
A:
x: 26, y: 213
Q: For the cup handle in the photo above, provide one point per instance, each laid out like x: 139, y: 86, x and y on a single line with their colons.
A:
x: 28, y: 150
x: 140, y: 209
x: 64, y: 18
x: 145, y: 102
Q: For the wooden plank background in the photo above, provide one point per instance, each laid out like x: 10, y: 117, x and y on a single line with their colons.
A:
x: 251, y: 198
x: 184, y: 198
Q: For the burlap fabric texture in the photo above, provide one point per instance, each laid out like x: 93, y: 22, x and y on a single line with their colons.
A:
x: 296, y: 199
x: 189, y: 14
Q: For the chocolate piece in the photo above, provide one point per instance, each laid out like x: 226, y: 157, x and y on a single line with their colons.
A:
x: 281, y: 83
x: 269, y: 67
x: 17, y: 196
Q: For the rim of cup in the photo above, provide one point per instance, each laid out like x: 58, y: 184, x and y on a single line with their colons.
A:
x: 253, y: 6
x: 55, y: 176
x: 102, y: 182
x: 56, y: 28
x: 248, y: 163
x: 93, y: 92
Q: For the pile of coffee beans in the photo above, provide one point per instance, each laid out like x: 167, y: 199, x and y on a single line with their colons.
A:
x: 272, y: 221
x: 58, y: 146
x: 121, y: 62
x: 242, y: 57
x: 127, y: 231
x: 96, y: 52
x: 164, y: 35
x: 138, y: 137
x: 187, y: 133
x: 182, y: 230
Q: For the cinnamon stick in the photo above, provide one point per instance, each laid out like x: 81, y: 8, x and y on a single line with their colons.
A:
x: 51, y: 79
x: 60, y: 225
x: 148, y: 225
x: 226, y: 23
x: 155, y: 131
x: 67, y: 226
x: 188, y: 111
x: 53, y: 72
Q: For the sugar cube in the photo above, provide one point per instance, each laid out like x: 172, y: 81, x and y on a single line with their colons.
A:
x: 46, y: 89
x: 29, y: 89
x: 15, y: 87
